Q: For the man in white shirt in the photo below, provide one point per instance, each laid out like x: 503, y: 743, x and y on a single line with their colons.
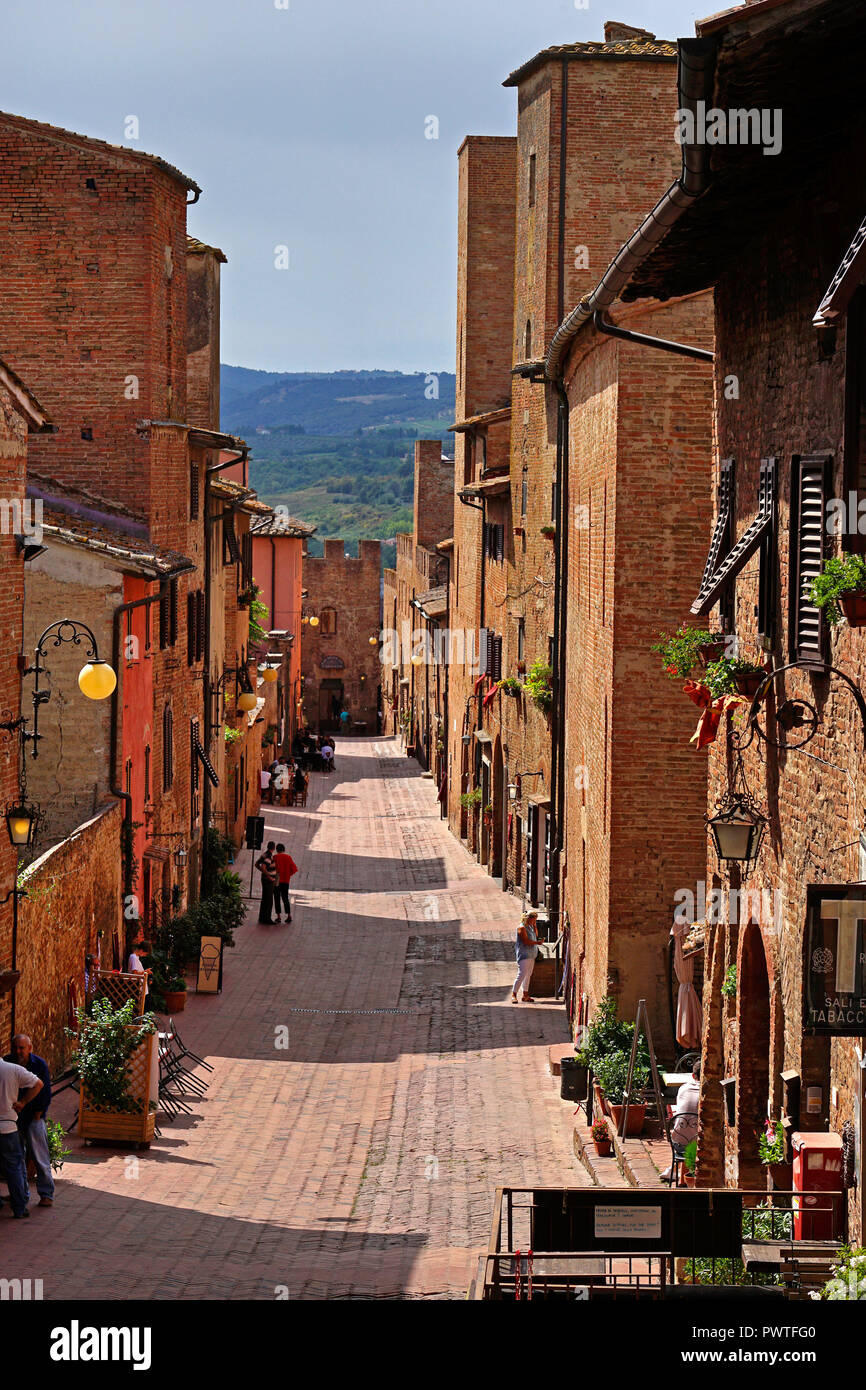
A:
x: 17, y: 1087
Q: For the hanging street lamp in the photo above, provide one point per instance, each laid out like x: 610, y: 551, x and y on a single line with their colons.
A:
x: 738, y: 825
x: 96, y: 679
x: 21, y: 822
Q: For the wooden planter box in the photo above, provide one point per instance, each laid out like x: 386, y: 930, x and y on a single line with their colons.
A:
x: 117, y: 1126
x: 853, y: 605
x: 711, y: 651
x: 749, y: 685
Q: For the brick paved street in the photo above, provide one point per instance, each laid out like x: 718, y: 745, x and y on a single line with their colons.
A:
x: 361, y: 1160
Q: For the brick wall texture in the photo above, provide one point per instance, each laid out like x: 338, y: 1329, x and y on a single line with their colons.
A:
x: 351, y: 587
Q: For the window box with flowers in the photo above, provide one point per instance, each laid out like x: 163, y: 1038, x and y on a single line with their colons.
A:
x: 683, y: 650
x: 539, y: 685
x: 840, y: 589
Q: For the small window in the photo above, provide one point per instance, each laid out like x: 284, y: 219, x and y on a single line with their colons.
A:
x: 521, y: 640
x: 524, y: 494
x: 527, y: 346
x: 193, y: 491
x: 328, y: 622
x: 532, y: 180
x: 147, y: 773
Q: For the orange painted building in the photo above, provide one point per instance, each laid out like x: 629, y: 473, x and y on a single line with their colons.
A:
x: 279, y: 543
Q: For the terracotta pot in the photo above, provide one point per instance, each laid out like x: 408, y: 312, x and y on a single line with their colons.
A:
x: 782, y: 1175
x: 688, y: 1179
x: 602, y: 1147
x: 634, y: 1123
x: 711, y: 651
x: 853, y: 605
x: 749, y: 684
x: 175, y: 1001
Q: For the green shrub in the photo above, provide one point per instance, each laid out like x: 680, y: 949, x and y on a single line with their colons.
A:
x: 843, y: 574
x: 106, y: 1043
x: 470, y: 799
x: 680, y: 650
x: 721, y: 676
x: 57, y: 1150
x: 729, y: 984
x: 539, y: 685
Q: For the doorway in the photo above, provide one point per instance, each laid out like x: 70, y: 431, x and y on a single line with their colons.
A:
x: 331, y: 700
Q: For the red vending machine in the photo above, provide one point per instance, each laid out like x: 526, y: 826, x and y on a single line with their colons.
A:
x: 818, y: 1170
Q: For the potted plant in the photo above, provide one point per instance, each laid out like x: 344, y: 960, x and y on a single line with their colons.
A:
x: 841, y: 585
x: 539, y: 685
x: 681, y: 651
x: 612, y: 1073
x: 601, y: 1138
x: 773, y: 1150
x: 113, y: 1057
x: 57, y: 1150
x: 510, y: 685
x: 690, y: 1162
x: 469, y: 800
x: 548, y: 531
x: 732, y: 675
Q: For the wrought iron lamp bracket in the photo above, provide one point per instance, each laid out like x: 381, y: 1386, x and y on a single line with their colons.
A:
x: 796, y: 713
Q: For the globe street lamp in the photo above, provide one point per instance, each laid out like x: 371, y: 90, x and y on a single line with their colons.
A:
x: 96, y: 679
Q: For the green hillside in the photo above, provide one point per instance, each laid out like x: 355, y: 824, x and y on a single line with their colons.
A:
x: 336, y: 448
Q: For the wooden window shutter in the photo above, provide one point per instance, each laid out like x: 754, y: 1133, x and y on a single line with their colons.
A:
x: 190, y: 628
x: 767, y: 552
x: 193, y: 754
x: 496, y: 658
x: 716, y: 584
x: 233, y: 554
x: 720, y: 541
x: 172, y: 616
x: 247, y: 557
x: 484, y: 651
x: 193, y: 491
x: 811, y: 482
x: 167, y: 749
x: 199, y: 625
x: 164, y: 614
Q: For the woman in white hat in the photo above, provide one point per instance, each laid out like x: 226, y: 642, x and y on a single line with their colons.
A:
x: 527, y: 950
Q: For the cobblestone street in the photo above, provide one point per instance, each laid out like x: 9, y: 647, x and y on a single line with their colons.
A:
x: 361, y: 1160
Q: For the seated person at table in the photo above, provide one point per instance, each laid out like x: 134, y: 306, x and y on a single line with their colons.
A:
x: 684, y: 1120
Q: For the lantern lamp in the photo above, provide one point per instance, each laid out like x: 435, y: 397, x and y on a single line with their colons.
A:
x: 97, y: 680
x: 314, y: 622
x: 247, y: 701
x: 374, y: 641
x: 181, y: 856
x: 418, y: 659
x: 21, y: 821
x: 270, y: 674
x: 737, y: 829
x: 513, y: 791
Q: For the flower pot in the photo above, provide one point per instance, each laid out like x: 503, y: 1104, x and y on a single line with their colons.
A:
x: 175, y: 1001
x: 8, y: 980
x: 782, y: 1175
x: 749, y: 684
x: 711, y: 651
x: 688, y: 1178
x: 635, y: 1121
x: 853, y: 605
x: 603, y: 1147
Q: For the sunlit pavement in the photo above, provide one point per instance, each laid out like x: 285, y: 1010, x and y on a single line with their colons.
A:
x: 360, y: 1160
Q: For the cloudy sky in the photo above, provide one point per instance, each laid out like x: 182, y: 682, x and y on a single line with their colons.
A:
x: 304, y: 122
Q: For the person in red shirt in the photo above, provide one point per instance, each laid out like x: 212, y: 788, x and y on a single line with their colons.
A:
x: 286, y: 868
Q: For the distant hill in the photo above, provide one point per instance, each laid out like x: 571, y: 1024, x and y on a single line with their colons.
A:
x: 336, y: 447
x: 328, y: 403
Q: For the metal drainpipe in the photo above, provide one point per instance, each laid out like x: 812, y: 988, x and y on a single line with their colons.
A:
x: 628, y: 335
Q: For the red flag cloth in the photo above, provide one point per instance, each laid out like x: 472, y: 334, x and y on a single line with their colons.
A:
x: 479, y: 682
x: 489, y: 696
x: 712, y: 711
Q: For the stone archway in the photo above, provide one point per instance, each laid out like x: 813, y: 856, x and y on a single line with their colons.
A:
x: 754, y: 1018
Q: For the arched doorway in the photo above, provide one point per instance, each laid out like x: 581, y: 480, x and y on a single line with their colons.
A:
x: 331, y: 699
x: 753, y: 1064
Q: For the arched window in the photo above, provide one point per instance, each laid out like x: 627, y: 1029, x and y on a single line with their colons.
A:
x: 328, y: 622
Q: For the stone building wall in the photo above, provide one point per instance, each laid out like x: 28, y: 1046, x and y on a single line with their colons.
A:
x: 345, y: 659
x: 73, y: 908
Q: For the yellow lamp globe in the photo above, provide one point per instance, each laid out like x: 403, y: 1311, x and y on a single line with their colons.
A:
x: 314, y: 622
x: 97, y: 680
x: 247, y: 701
x: 418, y: 659
x: 270, y: 674
x: 374, y: 641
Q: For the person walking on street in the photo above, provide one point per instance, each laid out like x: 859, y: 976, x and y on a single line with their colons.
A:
x: 344, y: 720
x: 270, y: 878
x: 286, y: 868
x: 17, y: 1088
x: 527, y: 950
x: 31, y: 1119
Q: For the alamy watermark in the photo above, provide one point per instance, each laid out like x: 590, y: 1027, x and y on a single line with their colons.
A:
x: 712, y: 126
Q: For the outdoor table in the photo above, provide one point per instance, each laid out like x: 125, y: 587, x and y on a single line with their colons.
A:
x: 767, y: 1256
x: 672, y: 1080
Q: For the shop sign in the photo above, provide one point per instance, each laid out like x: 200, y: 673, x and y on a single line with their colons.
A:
x: 332, y: 663
x: 834, y: 988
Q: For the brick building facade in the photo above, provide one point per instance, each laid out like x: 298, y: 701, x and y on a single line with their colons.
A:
x: 787, y: 1040
x: 339, y: 664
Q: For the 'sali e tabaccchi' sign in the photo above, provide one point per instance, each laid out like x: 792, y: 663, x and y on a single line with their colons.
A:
x: 834, y: 985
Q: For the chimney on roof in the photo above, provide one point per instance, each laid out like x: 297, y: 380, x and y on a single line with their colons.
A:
x: 613, y: 31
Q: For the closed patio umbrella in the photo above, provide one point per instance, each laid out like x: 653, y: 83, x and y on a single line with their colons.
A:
x: 689, y: 1012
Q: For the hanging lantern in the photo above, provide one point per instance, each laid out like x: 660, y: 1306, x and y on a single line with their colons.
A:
x: 247, y: 701
x: 97, y: 680
x: 21, y: 822
x: 181, y: 856
x: 513, y: 791
x: 270, y: 674
x: 418, y: 659
x: 737, y: 830
x: 314, y: 622
x: 374, y: 641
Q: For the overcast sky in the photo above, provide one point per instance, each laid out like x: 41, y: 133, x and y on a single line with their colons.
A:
x: 305, y: 127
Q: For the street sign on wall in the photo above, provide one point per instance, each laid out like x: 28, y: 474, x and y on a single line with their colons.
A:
x: 834, y: 968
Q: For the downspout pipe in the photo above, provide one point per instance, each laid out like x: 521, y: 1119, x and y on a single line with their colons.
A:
x: 628, y: 335
x: 557, y: 729
x: 696, y: 74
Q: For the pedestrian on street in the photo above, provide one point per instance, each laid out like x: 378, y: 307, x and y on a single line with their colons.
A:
x: 286, y: 868
x: 327, y: 756
x: 31, y: 1119
x: 269, y: 878
x: 17, y: 1088
x: 344, y: 720
x: 527, y: 950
